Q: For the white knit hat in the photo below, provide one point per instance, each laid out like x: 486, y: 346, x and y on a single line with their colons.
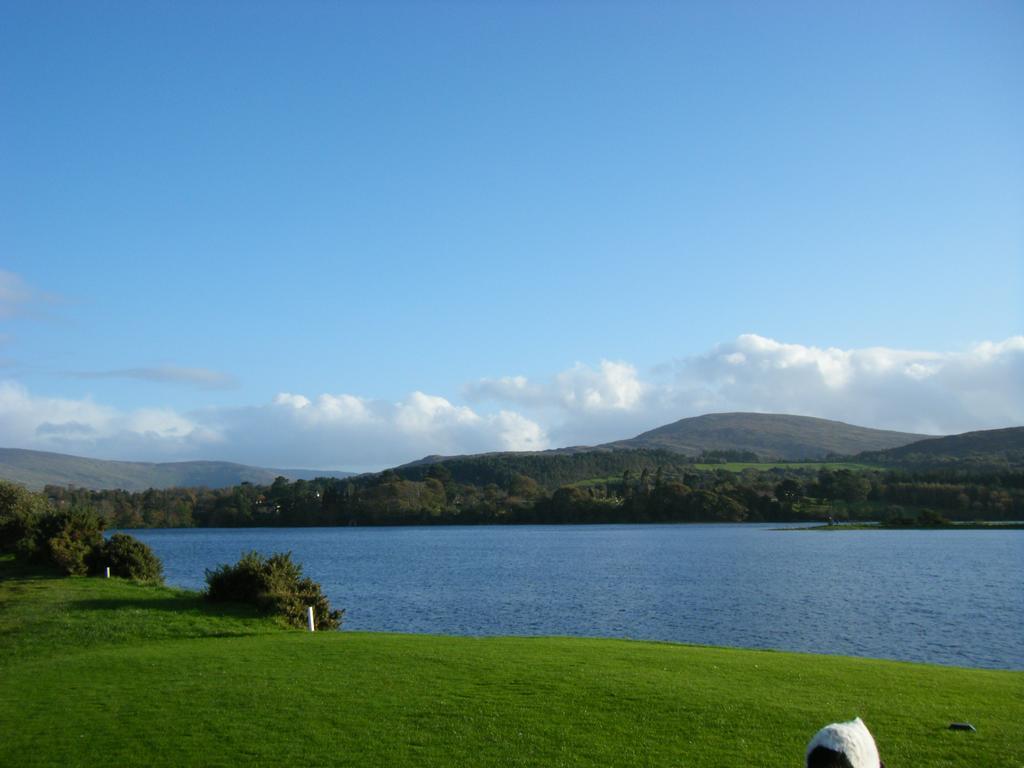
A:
x: 851, y: 739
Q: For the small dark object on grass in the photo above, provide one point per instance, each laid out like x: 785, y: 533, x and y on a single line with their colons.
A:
x: 962, y: 727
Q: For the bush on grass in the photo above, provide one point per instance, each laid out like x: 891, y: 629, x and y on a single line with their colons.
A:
x: 69, y: 538
x: 276, y: 586
x: 128, y: 558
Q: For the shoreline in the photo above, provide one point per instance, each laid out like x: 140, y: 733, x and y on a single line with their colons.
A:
x: 881, y: 527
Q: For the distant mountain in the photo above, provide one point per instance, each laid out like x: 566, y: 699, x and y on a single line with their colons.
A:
x: 36, y: 469
x: 989, y: 447
x: 770, y: 435
x: 308, y: 474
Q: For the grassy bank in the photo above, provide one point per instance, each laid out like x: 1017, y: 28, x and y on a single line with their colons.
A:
x: 97, y: 672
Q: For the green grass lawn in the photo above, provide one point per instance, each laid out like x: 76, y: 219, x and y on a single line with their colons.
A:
x: 98, y: 672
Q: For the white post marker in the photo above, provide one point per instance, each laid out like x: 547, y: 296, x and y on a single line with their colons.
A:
x: 309, y: 617
x: 108, y: 571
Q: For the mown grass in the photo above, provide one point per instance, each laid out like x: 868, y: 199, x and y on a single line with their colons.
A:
x: 110, y: 673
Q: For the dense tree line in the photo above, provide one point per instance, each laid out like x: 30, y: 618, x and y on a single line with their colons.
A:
x: 549, y: 469
x: 677, y: 492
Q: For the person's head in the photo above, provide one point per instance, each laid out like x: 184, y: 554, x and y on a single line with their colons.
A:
x: 843, y: 745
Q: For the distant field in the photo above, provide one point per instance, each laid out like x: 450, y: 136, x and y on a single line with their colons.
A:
x: 794, y: 465
x: 108, y: 673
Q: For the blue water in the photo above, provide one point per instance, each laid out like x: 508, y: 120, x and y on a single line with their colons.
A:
x: 948, y: 597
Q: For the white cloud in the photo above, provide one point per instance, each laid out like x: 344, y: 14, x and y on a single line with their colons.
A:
x: 86, y: 427
x: 922, y: 391
x: 518, y: 433
x: 295, y: 401
x: 512, y: 388
x: 421, y: 413
x: 325, y: 432
x: 927, y: 391
x: 612, y: 386
x: 348, y: 432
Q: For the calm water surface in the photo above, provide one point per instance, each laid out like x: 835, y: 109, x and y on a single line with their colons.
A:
x: 949, y: 597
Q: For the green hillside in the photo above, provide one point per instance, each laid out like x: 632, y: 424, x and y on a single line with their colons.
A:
x: 996, y: 448
x: 100, y: 672
x: 770, y: 435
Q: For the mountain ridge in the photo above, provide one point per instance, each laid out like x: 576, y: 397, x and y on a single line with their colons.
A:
x: 770, y: 435
x: 36, y: 469
x: 821, y: 438
x: 992, y: 447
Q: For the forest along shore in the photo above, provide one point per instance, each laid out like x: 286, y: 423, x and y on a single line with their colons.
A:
x: 610, y: 487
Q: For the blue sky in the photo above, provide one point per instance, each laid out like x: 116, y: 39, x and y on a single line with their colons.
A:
x: 494, y: 225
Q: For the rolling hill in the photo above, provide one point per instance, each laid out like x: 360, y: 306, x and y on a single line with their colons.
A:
x: 770, y: 435
x: 989, y: 447
x: 35, y: 469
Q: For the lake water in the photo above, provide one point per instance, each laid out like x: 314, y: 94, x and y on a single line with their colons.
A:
x: 949, y: 597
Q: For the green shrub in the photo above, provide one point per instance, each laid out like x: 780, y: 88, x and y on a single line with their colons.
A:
x: 931, y: 518
x: 128, y: 558
x: 275, y: 585
x: 67, y: 539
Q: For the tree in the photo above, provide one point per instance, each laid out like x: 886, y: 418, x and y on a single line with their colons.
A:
x: 524, y: 487
x: 789, y: 491
x: 20, y: 512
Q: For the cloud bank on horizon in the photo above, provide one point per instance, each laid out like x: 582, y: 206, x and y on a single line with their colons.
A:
x: 932, y: 392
